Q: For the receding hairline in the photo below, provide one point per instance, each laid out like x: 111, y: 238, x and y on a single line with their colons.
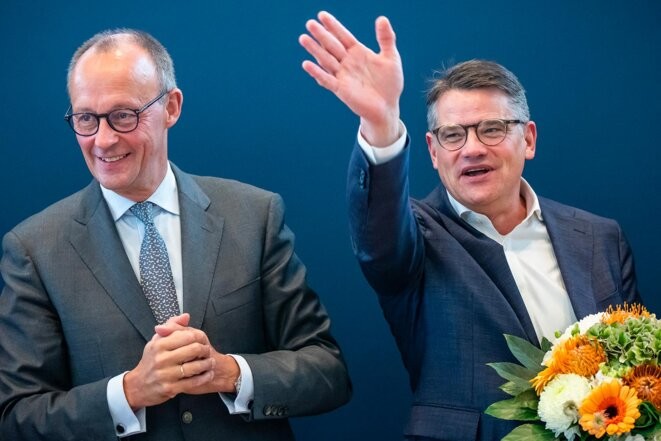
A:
x: 109, y: 40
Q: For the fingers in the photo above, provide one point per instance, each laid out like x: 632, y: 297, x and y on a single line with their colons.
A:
x: 194, y: 368
x: 334, y: 40
x: 336, y: 28
x: 179, y: 338
x: 323, y: 78
x: 329, y: 59
x: 181, y: 320
x: 174, y: 323
x: 178, y: 359
x: 328, y: 41
x: 385, y: 36
x: 190, y: 385
x: 184, y: 354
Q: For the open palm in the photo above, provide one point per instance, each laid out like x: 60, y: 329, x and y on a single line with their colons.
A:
x: 370, y: 84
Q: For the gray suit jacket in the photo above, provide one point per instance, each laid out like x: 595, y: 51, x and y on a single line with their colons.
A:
x: 73, y: 315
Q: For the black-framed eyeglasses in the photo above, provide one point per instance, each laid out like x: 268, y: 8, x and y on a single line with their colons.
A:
x: 120, y: 120
x: 489, y: 131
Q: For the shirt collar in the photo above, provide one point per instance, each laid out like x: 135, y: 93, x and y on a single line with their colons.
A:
x: 165, y: 197
x: 532, y: 205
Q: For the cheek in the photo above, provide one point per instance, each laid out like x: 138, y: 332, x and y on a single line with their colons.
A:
x: 86, y: 144
x: 143, y: 141
x: 445, y: 162
x: 445, y: 173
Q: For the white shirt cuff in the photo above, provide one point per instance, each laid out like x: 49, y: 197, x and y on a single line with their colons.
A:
x: 380, y: 155
x: 125, y: 421
x: 242, y: 401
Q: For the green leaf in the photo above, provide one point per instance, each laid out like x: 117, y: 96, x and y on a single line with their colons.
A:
x: 513, y: 372
x: 527, y: 432
x: 528, y: 354
x: 650, y: 432
x: 508, y: 411
x: 529, y: 398
x: 546, y: 345
x: 649, y: 417
x: 515, y: 387
x: 523, y: 407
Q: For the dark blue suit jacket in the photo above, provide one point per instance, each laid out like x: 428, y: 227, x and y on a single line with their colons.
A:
x: 449, y: 296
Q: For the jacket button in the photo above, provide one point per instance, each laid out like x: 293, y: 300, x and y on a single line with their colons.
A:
x: 187, y: 417
x: 361, y: 179
x: 267, y: 410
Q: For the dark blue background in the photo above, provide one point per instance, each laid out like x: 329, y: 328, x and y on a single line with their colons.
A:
x: 591, y: 70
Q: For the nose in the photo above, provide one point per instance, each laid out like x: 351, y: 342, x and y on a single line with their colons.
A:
x: 473, y: 146
x: 105, y: 137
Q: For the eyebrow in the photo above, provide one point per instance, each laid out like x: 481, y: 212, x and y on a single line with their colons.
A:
x: 112, y: 109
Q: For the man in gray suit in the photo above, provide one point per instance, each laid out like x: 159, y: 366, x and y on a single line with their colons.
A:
x: 93, y: 341
x: 482, y: 254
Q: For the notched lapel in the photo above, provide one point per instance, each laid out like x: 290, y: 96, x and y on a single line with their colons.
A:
x: 573, y: 242
x: 487, y: 253
x: 491, y: 258
x: 201, y: 235
x: 95, y: 239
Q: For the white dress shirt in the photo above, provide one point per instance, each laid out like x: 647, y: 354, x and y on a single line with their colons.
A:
x: 527, y: 247
x: 131, y: 232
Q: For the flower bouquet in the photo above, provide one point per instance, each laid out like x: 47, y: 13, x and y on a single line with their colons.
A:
x: 601, y: 379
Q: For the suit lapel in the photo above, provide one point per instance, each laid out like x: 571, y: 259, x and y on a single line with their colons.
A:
x: 94, y: 237
x: 200, y: 245
x: 488, y: 254
x: 572, y: 241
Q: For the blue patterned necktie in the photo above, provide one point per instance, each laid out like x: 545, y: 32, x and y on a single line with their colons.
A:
x: 155, y: 272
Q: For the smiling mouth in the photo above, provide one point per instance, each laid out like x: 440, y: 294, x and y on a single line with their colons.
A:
x: 113, y: 158
x: 476, y: 172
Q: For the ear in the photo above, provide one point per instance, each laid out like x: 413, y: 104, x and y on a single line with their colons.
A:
x: 431, y: 146
x: 530, y: 138
x: 173, y: 107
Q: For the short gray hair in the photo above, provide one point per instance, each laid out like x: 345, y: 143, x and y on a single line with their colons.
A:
x: 477, y: 74
x: 107, y: 40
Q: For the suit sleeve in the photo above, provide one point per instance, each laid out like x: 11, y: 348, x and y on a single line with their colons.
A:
x: 629, y: 285
x: 305, y: 374
x: 37, y: 399
x: 385, y: 235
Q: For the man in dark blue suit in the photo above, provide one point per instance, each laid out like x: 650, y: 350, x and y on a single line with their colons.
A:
x: 482, y: 254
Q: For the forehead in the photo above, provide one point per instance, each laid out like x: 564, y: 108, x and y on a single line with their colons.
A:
x: 124, y: 68
x: 473, y: 105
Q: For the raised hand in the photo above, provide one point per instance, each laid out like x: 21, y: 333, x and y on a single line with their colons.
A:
x: 370, y: 84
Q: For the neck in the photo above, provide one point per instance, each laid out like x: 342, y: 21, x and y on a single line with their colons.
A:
x: 505, y: 220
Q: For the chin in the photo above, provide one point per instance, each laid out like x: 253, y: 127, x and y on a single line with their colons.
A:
x: 111, y: 183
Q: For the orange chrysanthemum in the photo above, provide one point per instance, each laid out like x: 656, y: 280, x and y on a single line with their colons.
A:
x: 577, y: 355
x: 646, y: 380
x: 621, y: 313
x: 610, y: 408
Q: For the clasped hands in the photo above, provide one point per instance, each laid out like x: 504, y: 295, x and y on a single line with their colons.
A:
x: 178, y: 359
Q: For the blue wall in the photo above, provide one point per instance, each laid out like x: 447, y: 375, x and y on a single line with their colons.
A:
x: 591, y: 70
